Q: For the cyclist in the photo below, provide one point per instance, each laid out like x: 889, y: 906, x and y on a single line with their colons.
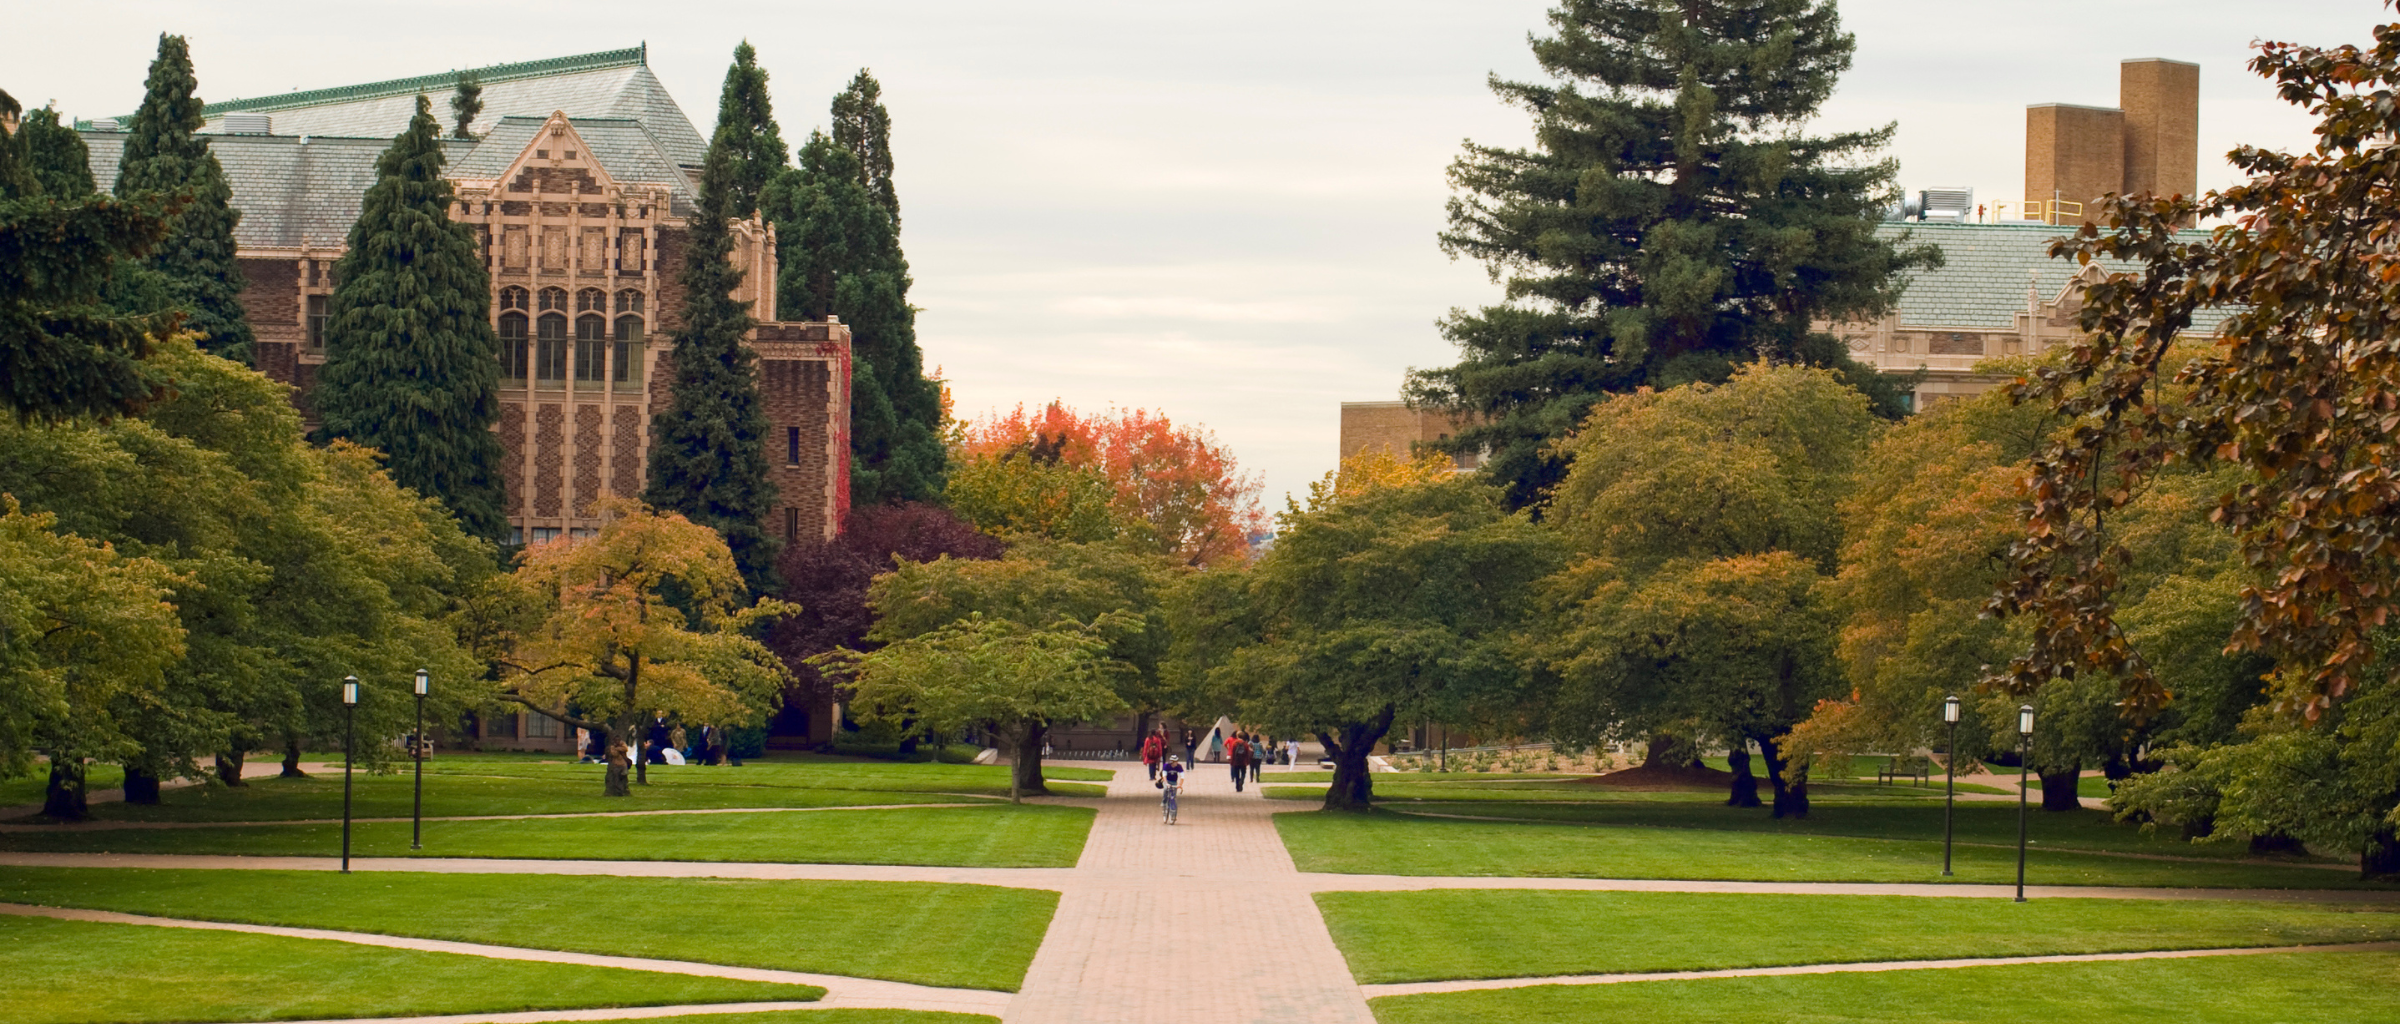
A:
x: 1170, y: 784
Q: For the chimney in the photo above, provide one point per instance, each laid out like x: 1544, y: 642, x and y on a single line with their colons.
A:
x: 2162, y: 126
x: 2073, y: 155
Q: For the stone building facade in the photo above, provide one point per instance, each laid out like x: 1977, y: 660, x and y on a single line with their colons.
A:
x: 579, y: 187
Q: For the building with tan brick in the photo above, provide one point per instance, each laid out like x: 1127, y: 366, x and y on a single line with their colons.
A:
x: 579, y: 186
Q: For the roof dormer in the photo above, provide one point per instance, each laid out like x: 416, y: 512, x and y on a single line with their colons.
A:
x: 556, y: 162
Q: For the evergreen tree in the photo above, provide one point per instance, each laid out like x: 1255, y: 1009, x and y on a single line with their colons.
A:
x: 746, y: 128
x: 409, y: 367
x: 194, y: 271
x: 839, y: 257
x: 862, y: 126
x: 708, y: 457
x: 465, y: 104
x: 1672, y: 221
x: 63, y: 352
x: 60, y: 162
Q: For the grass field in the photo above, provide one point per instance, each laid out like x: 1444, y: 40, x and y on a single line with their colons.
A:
x: 1001, y: 835
x: 1388, y: 843
x: 74, y: 972
x: 1483, y: 933
x: 960, y: 936
x: 2272, y: 988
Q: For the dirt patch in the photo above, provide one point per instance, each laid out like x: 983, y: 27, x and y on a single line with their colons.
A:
x: 1654, y: 778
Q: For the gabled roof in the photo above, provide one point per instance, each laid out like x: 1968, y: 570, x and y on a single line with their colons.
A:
x: 621, y: 145
x: 1986, y: 269
x: 611, y: 83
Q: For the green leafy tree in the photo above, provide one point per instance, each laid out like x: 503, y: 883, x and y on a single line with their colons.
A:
x: 708, y: 456
x: 63, y: 352
x: 840, y: 256
x: 1672, y: 221
x: 862, y: 126
x: 1376, y: 605
x: 998, y: 674
x: 1024, y: 494
x: 1703, y: 523
x: 193, y: 271
x: 465, y: 104
x: 408, y: 341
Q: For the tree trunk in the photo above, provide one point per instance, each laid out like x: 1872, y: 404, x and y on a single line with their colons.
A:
x: 229, y: 768
x: 65, y: 799
x: 617, y: 766
x: 1025, y: 773
x: 2058, y: 788
x: 1666, y: 750
x: 1791, y: 798
x: 291, y: 758
x: 1745, y: 785
x: 2271, y: 843
x: 1353, y: 788
x: 641, y: 762
x: 2200, y: 827
x: 2381, y: 857
x: 141, y: 787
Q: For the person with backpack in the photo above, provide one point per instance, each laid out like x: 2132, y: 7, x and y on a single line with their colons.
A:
x: 1237, y: 753
x: 1154, y: 747
x: 1258, y: 756
x: 1170, y: 784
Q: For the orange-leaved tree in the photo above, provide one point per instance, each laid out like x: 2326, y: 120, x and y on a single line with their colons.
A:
x: 1177, y: 484
x: 603, y: 636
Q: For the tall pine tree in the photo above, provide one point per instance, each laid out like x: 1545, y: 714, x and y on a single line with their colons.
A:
x: 708, y: 457
x: 838, y: 236
x: 1672, y: 220
x: 746, y: 128
x: 194, y: 271
x: 56, y: 155
x: 465, y: 104
x: 409, y: 349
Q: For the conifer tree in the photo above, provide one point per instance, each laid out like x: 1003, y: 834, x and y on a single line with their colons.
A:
x: 60, y: 162
x: 1672, y: 221
x: 409, y: 365
x: 465, y: 104
x: 862, y: 126
x: 194, y: 270
x: 708, y: 457
x: 746, y: 128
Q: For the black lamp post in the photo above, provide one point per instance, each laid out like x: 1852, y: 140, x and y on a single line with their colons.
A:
x: 416, y: 828
x: 1950, y: 798
x: 349, y: 758
x: 2024, y: 761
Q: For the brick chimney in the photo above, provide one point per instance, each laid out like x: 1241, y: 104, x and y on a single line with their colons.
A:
x: 2149, y: 143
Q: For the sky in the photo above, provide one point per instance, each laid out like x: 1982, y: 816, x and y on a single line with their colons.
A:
x: 1223, y: 211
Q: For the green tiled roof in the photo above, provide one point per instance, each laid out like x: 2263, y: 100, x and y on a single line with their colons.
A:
x: 632, y: 57
x: 1986, y: 269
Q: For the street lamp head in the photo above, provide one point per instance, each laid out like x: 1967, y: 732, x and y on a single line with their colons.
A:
x: 424, y: 682
x: 2024, y: 719
x: 349, y: 690
x: 1950, y: 711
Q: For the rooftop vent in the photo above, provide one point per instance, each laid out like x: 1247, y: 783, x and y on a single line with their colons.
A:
x: 104, y: 124
x: 248, y: 124
x: 1946, y: 205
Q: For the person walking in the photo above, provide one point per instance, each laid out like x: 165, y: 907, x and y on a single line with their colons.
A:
x: 1258, y: 754
x: 1291, y: 752
x: 1170, y: 784
x: 1191, y: 747
x: 1154, y: 748
x: 1237, y: 753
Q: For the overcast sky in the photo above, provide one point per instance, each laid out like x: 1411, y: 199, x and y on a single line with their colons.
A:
x: 1225, y: 211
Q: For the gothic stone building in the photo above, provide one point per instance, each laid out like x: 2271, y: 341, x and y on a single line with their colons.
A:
x: 579, y: 186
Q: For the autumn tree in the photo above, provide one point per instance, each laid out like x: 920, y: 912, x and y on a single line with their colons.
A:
x: 1000, y: 674
x: 1702, y: 521
x: 610, y: 639
x: 1375, y: 605
x: 1673, y: 219
x: 1176, y: 486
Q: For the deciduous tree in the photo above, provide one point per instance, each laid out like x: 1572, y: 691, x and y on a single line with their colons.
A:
x: 1176, y: 486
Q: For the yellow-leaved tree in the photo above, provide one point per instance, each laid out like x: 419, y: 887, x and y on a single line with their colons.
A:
x: 602, y: 636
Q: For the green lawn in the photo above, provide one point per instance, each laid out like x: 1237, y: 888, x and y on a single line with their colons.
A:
x: 960, y: 936
x: 2273, y: 988
x: 1001, y: 836
x: 1866, y: 816
x: 74, y: 972
x: 28, y: 789
x: 1399, y: 844
x: 1444, y: 934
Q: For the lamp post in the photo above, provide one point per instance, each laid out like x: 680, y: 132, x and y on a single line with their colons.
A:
x: 1950, y: 798
x: 349, y: 758
x: 416, y: 828
x: 2024, y: 761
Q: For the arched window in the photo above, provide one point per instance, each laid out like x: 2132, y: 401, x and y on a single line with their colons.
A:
x: 591, y: 345
x: 591, y: 300
x: 554, y: 299
x: 629, y: 301
x: 629, y: 348
x: 550, y: 345
x: 512, y: 342
x: 513, y: 297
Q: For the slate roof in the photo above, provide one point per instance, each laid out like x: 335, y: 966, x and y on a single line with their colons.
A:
x: 621, y: 145
x: 291, y: 192
x: 1985, y: 269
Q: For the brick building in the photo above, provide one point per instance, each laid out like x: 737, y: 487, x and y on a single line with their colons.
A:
x: 579, y: 187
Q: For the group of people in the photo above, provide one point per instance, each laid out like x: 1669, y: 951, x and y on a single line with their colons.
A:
x: 706, y: 744
x: 1245, y: 752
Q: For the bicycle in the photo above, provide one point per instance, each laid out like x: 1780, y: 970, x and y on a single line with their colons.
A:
x: 1167, y: 801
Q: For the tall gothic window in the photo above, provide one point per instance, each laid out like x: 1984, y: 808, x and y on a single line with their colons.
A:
x: 550, y: 348
x: 591, y: 347
x: 512, y: 345
x: 629, y: 350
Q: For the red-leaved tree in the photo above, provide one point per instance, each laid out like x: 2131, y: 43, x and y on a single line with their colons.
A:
x: 828, y: 579
x: 1178, y: 481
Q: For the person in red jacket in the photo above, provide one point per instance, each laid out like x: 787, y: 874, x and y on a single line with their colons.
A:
x: 1154, y: 747
x: 1237, y: 751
